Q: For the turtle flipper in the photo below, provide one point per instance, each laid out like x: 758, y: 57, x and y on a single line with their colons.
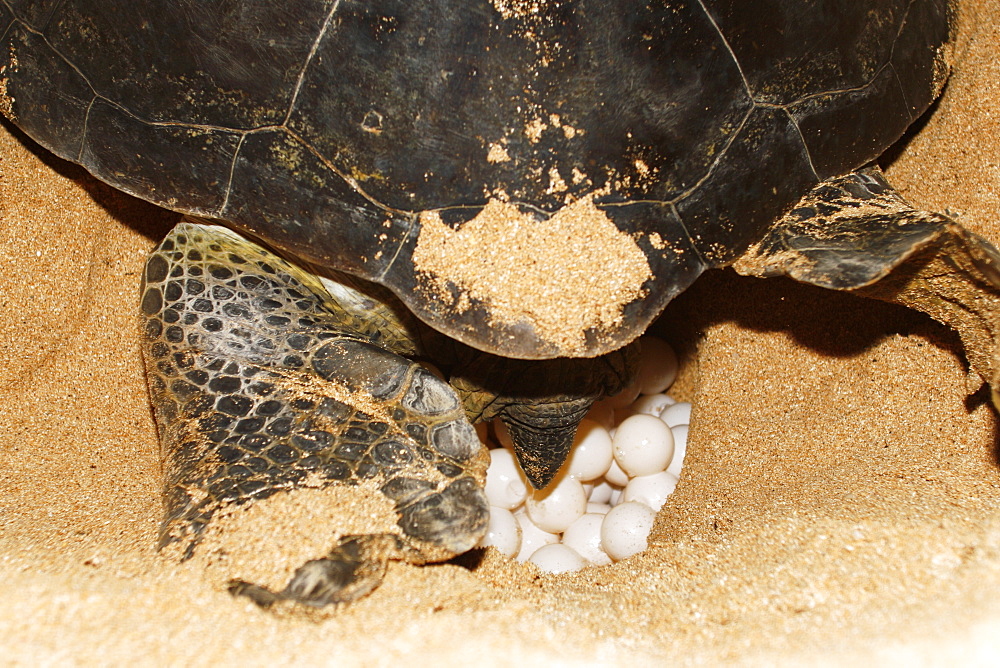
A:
x: 857, y: 233
x: 281, y: 421
x: 352, y: 569
x: 846, y: 233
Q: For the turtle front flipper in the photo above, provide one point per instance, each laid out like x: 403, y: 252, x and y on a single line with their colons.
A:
x: 857, y: 233
x: 300, y: 454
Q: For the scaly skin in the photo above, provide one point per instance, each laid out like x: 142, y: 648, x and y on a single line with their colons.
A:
x: 265, y: 377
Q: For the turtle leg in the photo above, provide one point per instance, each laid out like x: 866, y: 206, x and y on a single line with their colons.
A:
x: 352, y: 569
x: 281, y: 404
x: 857, y: 233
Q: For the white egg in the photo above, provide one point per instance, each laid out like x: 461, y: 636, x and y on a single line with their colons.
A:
x: 557, y: 558
x: 680, y: 433
x: 505, y: 484
x: 643, y: 445
x: 584, y: 536
x: 503, y: 532
x: 679, y: 413
x: 601, y: 493
x: 657, y: 365
x: 651, y: 490
x: 532, y: 537
x: 558, y: 505
x: 590, y: 456
x: 598, y: 508
x: 625, y: 530
x: 649, y: 404
x: 615, y: 475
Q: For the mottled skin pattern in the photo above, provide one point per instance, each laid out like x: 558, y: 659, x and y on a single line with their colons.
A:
x: 261, y: 380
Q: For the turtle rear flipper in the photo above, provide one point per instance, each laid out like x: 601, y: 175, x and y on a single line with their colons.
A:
x: 298, y: 453
x: 352, y: 570
x: 857, y: 233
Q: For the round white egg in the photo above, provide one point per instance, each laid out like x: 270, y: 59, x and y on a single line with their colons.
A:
x: 601, y: 493
x: 557, y: 558
x: 680, y: 433
x: 651, y: 490
x: 532, y: 538
x: 643, y: 445
x: 558, y: 505
x: 503, y: 532
x: 590, y: 456
x: 679, y: 413
x: 651, y: 404
x: 616, y: 496
x: 615, y: 475
x: 657, y: 365
x: 625, y: 530
x: 505, y: 484
x: 584, y: 536
x: 598, y: 508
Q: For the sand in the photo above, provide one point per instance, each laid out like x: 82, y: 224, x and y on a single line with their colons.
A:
x: 840, y: 502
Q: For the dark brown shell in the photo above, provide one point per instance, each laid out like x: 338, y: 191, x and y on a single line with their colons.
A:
x: 325, y: 127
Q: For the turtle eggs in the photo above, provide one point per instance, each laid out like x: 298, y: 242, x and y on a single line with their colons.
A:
x: 624, y: 463
x: 643, y: 445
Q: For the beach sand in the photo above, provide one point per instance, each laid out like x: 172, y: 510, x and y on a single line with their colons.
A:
x: 840, y: 500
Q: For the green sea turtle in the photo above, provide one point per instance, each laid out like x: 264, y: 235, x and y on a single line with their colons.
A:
x: 511, y: 188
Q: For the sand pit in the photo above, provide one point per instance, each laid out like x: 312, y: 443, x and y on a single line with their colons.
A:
x: 840, y: 501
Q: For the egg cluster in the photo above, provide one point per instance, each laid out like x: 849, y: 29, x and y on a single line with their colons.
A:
x: 625, y: 462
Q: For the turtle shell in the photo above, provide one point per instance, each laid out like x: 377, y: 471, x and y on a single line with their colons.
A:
x: 536, y: 178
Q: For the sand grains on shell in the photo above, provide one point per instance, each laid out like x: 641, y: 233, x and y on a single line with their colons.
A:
x: 566, y: 274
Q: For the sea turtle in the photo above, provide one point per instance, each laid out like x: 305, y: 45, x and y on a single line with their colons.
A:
x: 533, y: 179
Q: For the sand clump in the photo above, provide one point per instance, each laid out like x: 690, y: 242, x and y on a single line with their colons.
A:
x: 566, y: 274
